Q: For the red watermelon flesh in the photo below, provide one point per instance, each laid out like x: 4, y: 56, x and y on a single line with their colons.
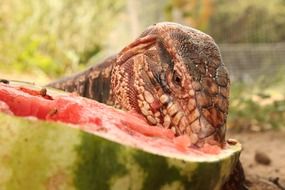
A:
x: 94, y: 117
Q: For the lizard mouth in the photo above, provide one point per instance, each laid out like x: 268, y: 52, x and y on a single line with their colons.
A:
x: 170, y: 114
x: 194, y: 124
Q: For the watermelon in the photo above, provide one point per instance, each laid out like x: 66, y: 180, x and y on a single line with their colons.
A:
x: 63, y: 141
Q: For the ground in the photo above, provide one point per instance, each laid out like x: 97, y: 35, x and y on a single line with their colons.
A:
x: 263, y: 158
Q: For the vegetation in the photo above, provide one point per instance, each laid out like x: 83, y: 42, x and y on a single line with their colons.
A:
x: 53, y: 37
x: 258, y: 106
x: 232, y: 21
x: 236, y: 21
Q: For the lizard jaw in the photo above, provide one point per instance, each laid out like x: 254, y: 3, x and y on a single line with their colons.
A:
x: 169, y: 114
x: 193, y: 123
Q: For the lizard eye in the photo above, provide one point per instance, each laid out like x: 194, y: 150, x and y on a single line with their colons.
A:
x: 176, y: 79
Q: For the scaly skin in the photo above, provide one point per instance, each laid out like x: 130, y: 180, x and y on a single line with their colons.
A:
x: 174, y: 76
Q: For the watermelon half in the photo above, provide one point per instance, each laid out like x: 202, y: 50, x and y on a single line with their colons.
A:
x: 63, y: 141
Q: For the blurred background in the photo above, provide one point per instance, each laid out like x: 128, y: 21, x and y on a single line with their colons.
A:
x: 41, y: 40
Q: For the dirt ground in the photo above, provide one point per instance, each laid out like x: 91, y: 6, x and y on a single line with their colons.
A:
x: 263, y: 158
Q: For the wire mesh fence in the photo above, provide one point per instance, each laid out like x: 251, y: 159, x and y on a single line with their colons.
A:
x: 248, y: 62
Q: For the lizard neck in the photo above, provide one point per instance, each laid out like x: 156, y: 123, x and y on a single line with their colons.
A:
x: 94, y: 83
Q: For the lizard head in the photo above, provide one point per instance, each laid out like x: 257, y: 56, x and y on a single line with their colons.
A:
x: 175, y: 77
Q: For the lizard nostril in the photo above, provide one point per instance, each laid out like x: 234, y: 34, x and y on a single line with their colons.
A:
x: 177, y: 80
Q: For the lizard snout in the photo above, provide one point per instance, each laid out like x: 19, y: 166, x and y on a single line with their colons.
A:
x: 211, y: 134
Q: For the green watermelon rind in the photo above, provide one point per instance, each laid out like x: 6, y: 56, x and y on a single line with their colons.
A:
x: 48, y: 155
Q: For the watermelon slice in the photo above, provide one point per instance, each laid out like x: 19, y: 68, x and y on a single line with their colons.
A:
x: 63, y: 141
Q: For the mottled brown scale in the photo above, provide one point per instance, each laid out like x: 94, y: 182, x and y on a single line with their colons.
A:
x: 149, y: 75
x: 224, y: 91
x: 215, y: 116
x: 196, y: 85
x: 201, y: 69
x: 211, y: 71
x: 222, y: 76
x: 93, y: 83
x: 151, y: 55
x: 203, y: 99
x: 210, y: 86
x: 221, y: 103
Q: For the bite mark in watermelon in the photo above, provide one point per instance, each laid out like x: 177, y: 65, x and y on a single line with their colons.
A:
x: 98, y: 147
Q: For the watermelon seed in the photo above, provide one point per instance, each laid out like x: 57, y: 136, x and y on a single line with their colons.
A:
x: 43, y: 92
x: 232, y: 141
x: 5, y: 81
x: 52, y: 112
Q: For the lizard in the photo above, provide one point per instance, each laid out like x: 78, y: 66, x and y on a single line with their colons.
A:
x: 174, y: 76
